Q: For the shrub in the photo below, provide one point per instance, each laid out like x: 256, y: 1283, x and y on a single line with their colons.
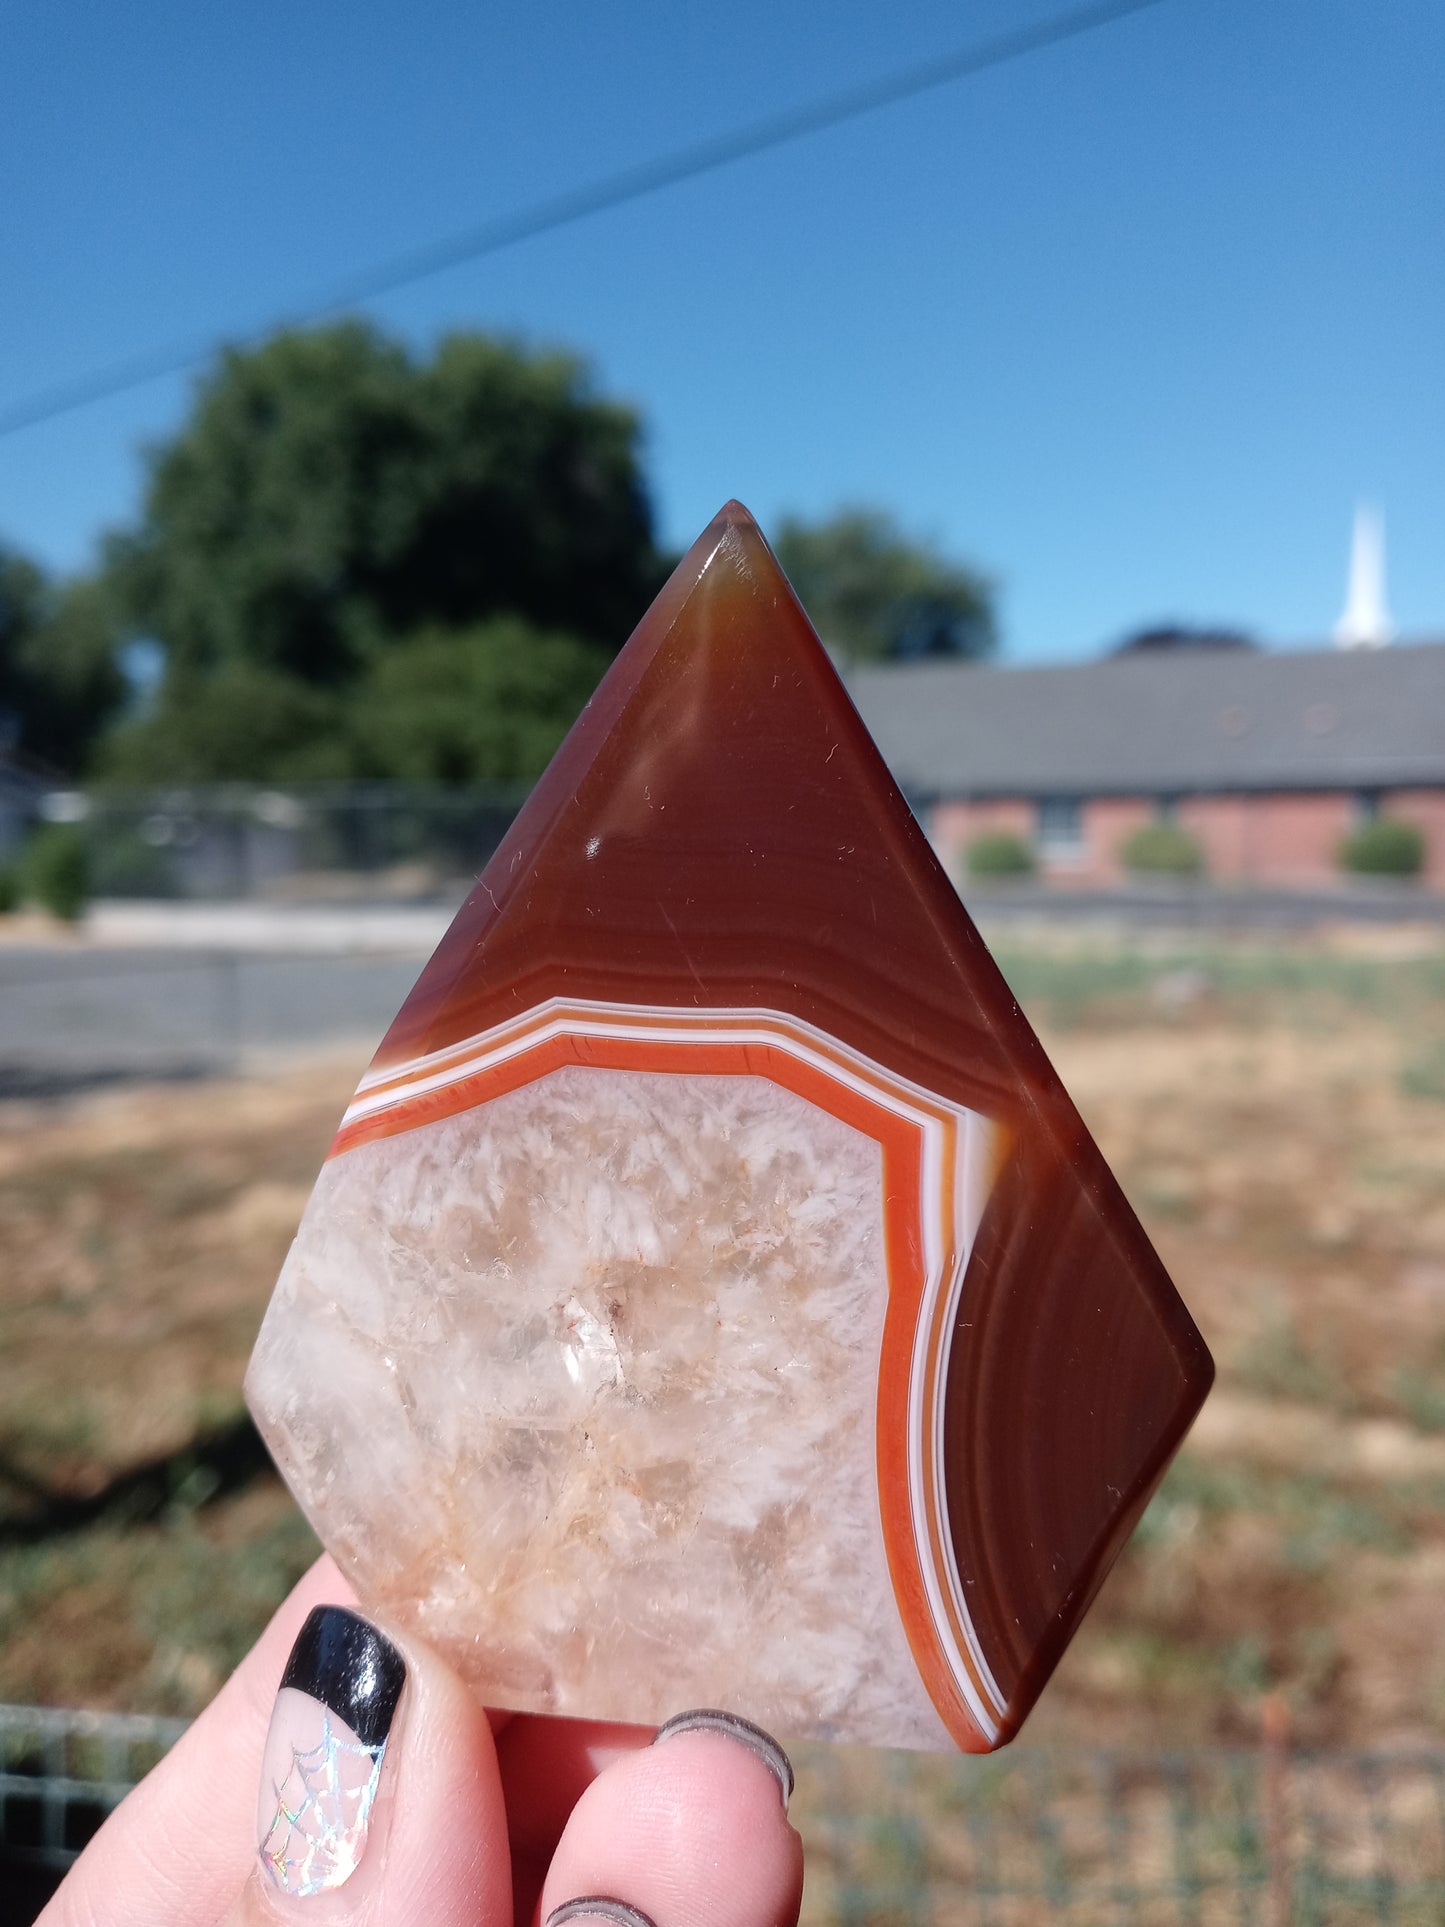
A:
x: 9, y: 889
x: 57, y: 870
x: 124, y: 864
x: 1162, y: 849
x: 1000, y: 853
x: 1385, y: 848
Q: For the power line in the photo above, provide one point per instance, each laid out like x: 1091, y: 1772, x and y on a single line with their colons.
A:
x: 575, y: 204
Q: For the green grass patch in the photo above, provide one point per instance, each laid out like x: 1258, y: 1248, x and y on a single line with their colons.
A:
x: 1246, y: 983
x: 1421, y: 1397
x: 1318, y: 1519
x: 1277, y: 1365
x: 1423, y: 1073
x: 158, y: 1615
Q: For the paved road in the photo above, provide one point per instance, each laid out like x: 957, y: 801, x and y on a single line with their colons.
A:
x: 70, y: 1019
x: 169, y: 990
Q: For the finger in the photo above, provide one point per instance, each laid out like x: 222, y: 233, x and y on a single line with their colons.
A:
x: 380, y: 1799
x: 690, y: 1832
x: 177, y: 1848
x: 547, y: 1765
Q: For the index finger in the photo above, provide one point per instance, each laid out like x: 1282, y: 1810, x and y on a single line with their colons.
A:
x: 547, y: 1765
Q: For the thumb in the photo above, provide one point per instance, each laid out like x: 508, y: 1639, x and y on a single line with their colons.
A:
x: 380, y: 1798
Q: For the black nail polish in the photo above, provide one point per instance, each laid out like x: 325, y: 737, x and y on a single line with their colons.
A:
x: 324, y: 1752
x: 341, y: 1660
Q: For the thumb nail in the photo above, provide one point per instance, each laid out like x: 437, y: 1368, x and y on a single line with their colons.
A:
x: 601, y: 1910
x: 325, y: 1750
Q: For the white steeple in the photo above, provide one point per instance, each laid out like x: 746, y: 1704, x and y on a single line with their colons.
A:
x: 1365, y: 623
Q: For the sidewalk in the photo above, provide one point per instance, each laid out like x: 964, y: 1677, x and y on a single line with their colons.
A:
x: 414, y: 930
x: 340, y: 929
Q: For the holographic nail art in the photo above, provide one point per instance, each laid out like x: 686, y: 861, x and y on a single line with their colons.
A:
x: 324, y: 1752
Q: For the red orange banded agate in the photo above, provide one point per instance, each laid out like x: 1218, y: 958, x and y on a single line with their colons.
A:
x: 717, y: 878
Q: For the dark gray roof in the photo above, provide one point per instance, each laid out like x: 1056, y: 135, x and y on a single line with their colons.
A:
x: 1215, y: 720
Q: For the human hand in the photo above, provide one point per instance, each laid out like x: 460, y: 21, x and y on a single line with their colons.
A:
x: 424, y: 1811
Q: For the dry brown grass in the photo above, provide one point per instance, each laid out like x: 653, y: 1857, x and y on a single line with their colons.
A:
x: 1286, y: 1150
x: 1278, y: 1119
x: 140, y: 1233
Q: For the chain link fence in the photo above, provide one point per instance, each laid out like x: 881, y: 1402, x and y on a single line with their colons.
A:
x: 61, y: 1773
x: 425, y: 843
x: 406, y: 841
x: 1028, y: 1838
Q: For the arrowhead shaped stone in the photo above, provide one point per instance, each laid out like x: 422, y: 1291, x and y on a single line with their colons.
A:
x: 712, y: 1296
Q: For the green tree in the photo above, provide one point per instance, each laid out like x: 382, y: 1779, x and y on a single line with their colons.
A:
x: 22, y: 596
x: 332, y: 492
x: 872, y: 592
x: 487, y: 704
x: 243, y: 723
x: 60, y: 683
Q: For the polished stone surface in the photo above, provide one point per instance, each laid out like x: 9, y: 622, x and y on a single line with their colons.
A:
x: 597, y: 1413
x: 906, y: 1446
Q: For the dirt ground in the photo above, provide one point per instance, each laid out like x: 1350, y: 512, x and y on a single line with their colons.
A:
x: 1277, y: 1116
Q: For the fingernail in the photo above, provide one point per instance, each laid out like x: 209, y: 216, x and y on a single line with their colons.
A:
x: 616, y: 1913
x: 324, y: 1750
x: 707, y: 1719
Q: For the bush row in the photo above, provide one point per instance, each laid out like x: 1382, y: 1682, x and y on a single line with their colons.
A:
x: 54, y: 869
x: 1385, y: 847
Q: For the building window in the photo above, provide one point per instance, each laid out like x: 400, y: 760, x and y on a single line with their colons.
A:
x: 1061, y: 829
x: 1367, y: 806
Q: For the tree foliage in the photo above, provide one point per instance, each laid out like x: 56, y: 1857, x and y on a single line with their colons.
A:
x: 59, y: 681
x: 240, y: 724
x: 489, y: 703
x: 872, y: 592
x: 360, y: 562
x: 332, y: 493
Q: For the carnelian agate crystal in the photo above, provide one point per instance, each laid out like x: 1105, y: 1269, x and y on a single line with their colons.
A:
x: 711, y: 1296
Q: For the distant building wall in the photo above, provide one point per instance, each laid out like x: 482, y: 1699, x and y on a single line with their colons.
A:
x: 1425, y: 809
x: 952, y: 827
x: 1277, y: 837
x: 1224, y: 826
x: 1269, y: 758
x: 1281, y: 838
x: 1109, y: 822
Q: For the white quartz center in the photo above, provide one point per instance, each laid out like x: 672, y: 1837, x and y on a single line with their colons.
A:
x: 581, y: 1383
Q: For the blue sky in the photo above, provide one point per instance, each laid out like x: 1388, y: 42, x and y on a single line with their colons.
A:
x: 1131, y: 323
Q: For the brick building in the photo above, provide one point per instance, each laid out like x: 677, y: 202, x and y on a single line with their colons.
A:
x: 1267, y: 759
